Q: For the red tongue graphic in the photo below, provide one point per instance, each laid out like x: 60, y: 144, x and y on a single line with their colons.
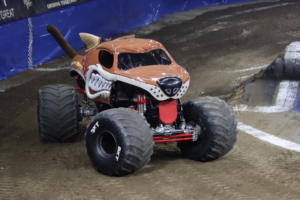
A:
x: 168, y: 111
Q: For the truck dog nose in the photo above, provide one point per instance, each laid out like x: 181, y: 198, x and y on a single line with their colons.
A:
x: 170, y: 85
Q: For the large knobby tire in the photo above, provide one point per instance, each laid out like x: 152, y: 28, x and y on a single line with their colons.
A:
x: 119, y: 141
x: 286, y: 66
x: 218, y: 125
x: 276, y: 69
x: 58, y: 113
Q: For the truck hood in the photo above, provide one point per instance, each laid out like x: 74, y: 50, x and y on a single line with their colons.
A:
x: 150, y: 74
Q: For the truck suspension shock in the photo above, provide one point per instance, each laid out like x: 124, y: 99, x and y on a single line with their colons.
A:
x: 141, y: 102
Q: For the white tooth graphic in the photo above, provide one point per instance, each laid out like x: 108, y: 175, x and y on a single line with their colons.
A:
x: 94, y: 78
x: 98, y: 83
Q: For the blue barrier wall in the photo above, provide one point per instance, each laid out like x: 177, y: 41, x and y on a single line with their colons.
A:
x: 25, y: 43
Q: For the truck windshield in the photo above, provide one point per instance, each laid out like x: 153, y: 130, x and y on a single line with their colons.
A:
x: 132, y: 60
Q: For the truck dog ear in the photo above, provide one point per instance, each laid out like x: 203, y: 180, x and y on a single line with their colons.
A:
x: 90, y: 41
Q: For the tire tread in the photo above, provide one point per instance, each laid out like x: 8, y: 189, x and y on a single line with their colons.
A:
x: 58, y: 113
x: 220, y: 128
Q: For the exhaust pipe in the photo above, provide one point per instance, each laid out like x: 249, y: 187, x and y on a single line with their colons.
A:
x: 61, y: 41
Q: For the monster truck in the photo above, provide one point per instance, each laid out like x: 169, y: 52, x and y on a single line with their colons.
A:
x: 131, y: 90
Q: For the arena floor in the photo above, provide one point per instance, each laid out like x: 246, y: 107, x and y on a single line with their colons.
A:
x: 224, y: 49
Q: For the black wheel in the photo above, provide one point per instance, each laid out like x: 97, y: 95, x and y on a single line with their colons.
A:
x: 283, y: 68
x: 276, y: 69
x: 119, y: 141
x: 286, y: 66
x: 58, y: 113
x: 218, y: 125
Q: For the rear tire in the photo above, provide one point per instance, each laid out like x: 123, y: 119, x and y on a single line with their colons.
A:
x: 119, y: 141
x: 218, y: 125
x: 58, y: 113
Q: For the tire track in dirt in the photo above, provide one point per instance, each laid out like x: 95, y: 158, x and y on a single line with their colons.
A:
x: 152, y: 182
x: 211, y: 181
x: 167, y: 181
x: 90, y: 190
x: 174, y: 180
x: 6, y: 183
x: 98, y: 186
x: 6, y: 188
x: 43, y: 180
x: 126, y: 187
x: 270, y: 167
x: 64, y: 174
x: 255, y: 181
x: 252, y: 169
x: 163, y: 185
x: 168, y: 176
x: 273, y: 174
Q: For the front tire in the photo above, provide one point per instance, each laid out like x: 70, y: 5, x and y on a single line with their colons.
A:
x: 218, y: 125
x: 58, y: 117
x: 119, y: 142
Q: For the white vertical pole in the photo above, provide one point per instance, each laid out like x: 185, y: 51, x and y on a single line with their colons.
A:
x: 4, y: 2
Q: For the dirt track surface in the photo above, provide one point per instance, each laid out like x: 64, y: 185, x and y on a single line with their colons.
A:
x: 221, y: 49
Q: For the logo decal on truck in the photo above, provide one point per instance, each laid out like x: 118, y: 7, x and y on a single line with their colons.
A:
x: 93, y: 130
x: 118, y: 153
